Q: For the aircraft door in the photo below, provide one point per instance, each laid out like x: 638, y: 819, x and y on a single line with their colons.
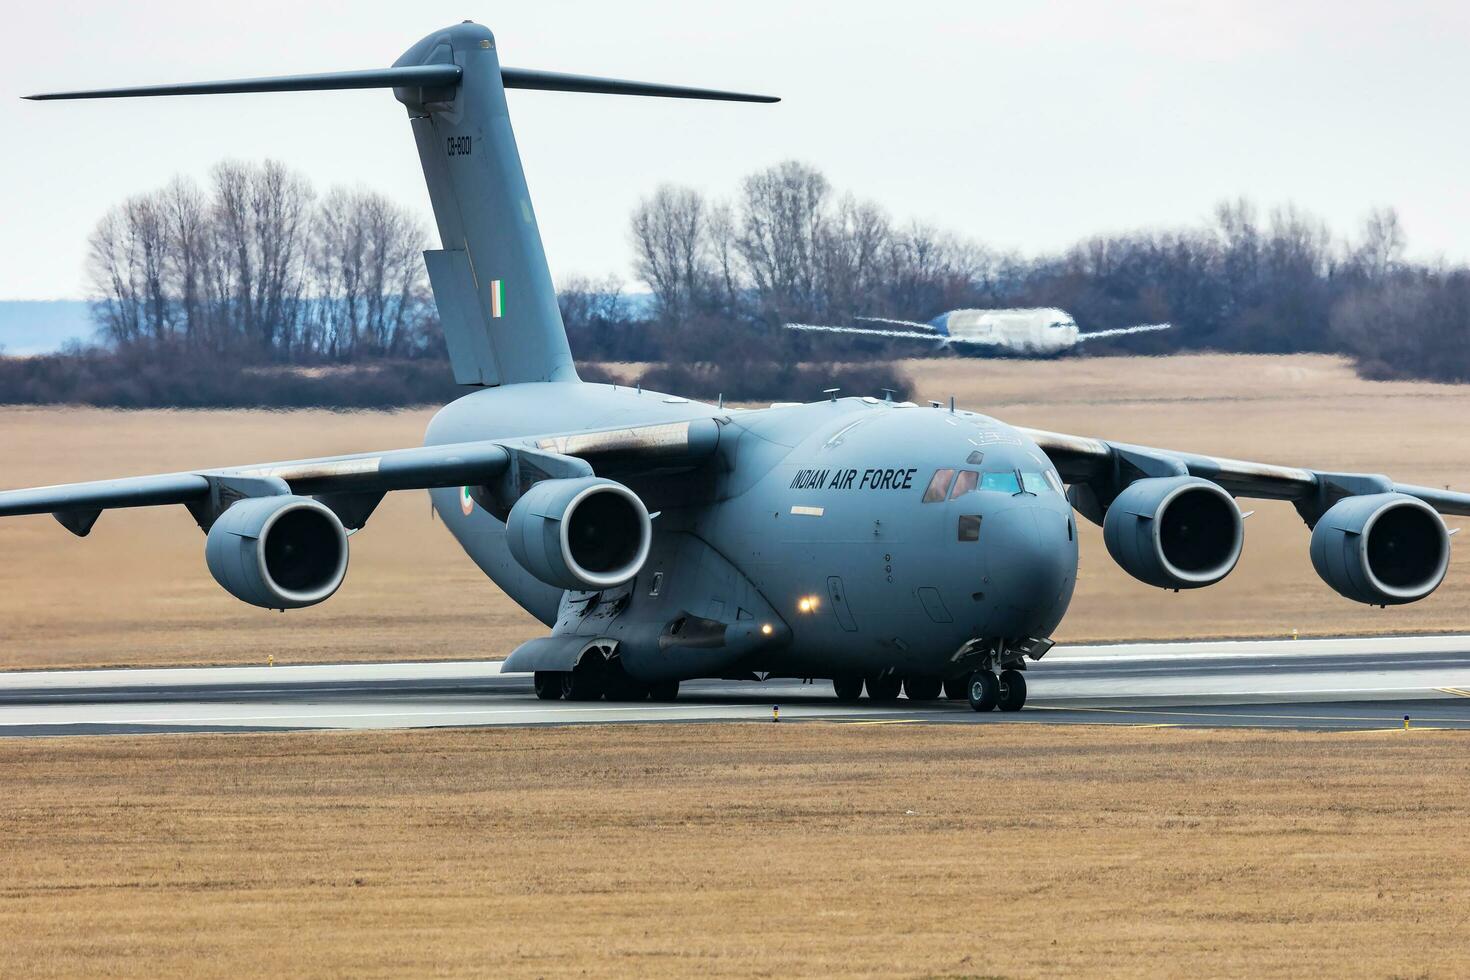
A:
x: 838, y: 594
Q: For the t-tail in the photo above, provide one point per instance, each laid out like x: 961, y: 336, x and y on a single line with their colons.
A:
x: 491, y: 282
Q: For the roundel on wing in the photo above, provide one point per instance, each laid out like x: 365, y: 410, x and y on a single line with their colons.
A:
x: 466, y: 502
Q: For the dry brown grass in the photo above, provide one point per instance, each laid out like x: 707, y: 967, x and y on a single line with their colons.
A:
x: 137, y: 590
x: 1007, y: 850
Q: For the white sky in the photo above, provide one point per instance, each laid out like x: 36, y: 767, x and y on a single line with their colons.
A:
x: 1025, y: 125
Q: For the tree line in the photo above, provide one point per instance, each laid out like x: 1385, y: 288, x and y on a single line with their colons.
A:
x: 787, y: 247
x: 251, y: 288
x: 256, y: 265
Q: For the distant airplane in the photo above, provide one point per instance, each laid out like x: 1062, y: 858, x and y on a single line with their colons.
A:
x: 1044, y: 331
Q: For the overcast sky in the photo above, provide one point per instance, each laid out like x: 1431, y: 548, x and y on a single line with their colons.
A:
x: 1025, y: 125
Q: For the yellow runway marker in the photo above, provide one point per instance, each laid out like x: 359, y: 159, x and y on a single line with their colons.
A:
x: 1456, y: 691
x: 886, y: 721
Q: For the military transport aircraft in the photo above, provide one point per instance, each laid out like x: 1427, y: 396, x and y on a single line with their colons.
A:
x: 871, y: 542
x: 1040, y: 332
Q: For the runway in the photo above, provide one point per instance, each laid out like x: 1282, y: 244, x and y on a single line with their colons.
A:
x: 1343, y: 684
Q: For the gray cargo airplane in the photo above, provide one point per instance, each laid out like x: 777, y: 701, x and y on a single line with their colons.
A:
x: 878, y: 544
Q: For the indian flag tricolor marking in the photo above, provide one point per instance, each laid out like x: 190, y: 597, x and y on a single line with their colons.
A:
x: 466, y: 501
x: 497, y: 303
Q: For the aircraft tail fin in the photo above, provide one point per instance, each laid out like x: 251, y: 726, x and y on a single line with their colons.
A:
x: 491, y: 281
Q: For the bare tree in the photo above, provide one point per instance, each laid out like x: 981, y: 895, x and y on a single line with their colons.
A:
x: 1381, y: 250
x: 261, y: 214
x: 366, y: 276
x: 185, y: 215
x: 851, y: 250
x: 782, y: 212
x: 128, y: 256
x: 669, y: 232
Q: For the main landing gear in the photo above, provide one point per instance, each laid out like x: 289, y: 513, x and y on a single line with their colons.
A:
x: 595, y: 678
x: 987, y: 691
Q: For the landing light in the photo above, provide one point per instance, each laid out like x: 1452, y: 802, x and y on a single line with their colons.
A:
x: 807, y: 603
x: 766, y: 629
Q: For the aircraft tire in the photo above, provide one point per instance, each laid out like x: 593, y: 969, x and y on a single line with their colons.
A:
x: 1012, y: 690
x: 884, y: 687
x: 618, y: 686
x: 550, y: 685
x: 957, y: 688
x: 584, y: 682
x: 664, y: 691
x: 922, y: 688
x: 848, y: 687
x: 984, y: 690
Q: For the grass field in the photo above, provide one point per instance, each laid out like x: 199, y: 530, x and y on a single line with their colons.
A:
x: 137, y: 590
x: 757, y: 849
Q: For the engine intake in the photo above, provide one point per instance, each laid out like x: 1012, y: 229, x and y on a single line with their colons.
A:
x: 278, y: 552
x: 585, y: 533
x: 1384, y: 549
x: 1177, y: 532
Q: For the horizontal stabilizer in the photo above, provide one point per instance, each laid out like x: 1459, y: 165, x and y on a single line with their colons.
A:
x: 1124, y: 331
x: 551, y: 81
x: 909, y: 334
x: 411, y: 76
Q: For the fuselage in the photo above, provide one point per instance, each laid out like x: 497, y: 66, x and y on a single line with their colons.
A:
x: 1025, y: 331
x: 882, y: 536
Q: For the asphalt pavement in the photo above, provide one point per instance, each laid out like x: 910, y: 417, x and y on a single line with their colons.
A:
x: 1341, y: 684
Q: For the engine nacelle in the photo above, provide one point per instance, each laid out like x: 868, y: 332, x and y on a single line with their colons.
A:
x: 585, y: 533
x: 1175, y: 532
x: 1384, y: 549
x: 278, y: 552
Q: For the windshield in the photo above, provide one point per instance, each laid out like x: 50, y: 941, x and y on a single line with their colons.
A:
x: 1034, y: 482
x: 1004, y: 481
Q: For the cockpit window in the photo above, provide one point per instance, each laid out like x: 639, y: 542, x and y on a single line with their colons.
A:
x: 938, y: 486
x: 1003, y: 481
x: 964, y: 483
x: 976, y: 458
x: 1034, y: 482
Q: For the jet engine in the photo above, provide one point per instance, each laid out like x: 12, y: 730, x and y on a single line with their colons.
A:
x: 1384, y: 549
x: 1176, y: 532
x: 584, y: 533
x: 278, y: 552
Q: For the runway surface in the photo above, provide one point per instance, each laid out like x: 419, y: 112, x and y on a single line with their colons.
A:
x: 1349, y: 684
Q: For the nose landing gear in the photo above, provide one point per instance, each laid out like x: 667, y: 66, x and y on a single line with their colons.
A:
x: 987, y: 691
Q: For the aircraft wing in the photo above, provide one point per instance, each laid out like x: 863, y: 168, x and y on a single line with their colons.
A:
x: 1124, y: 331
x: 872, y: 332
x: 356, y: 482
x: 77, y: 505
x: 1099, y: 464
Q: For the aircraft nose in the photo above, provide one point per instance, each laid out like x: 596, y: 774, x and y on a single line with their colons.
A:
x: 1030, y: 564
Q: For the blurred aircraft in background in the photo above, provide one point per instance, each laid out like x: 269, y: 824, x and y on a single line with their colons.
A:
x: 1044, y: 331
